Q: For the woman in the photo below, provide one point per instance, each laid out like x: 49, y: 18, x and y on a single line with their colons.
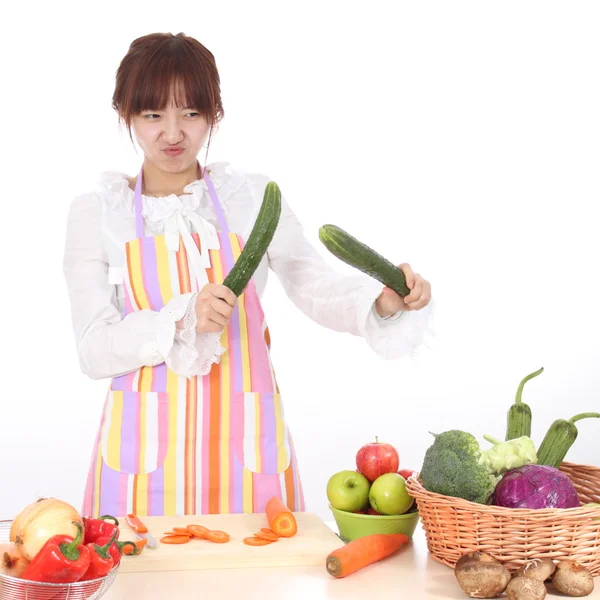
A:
x: 193, y: 422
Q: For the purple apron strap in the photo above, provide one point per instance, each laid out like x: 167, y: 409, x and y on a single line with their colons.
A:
x: 217, y: 205
x: 139, y: 220
x: 224, y: 237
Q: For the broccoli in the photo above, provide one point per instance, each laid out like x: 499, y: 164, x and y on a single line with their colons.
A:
x: 454, y: 465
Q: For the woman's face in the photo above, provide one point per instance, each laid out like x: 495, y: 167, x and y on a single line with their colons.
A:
x: 172, y: 138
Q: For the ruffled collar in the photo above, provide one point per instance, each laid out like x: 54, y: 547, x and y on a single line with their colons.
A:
x: 115, y: 190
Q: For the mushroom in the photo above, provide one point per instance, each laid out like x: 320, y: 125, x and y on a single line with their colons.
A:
x: 572, y: 579
x: 476, y: 556
x: 523, y: 587
x: 480, y: 575
x: 538, y: 568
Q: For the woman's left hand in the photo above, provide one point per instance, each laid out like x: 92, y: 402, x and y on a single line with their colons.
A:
x: 389, y: 302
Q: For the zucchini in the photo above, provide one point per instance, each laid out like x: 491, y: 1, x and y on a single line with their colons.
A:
x: 258, y: 241
x: 518, y: 422
x: 559, y: 439
x: 358, y: 255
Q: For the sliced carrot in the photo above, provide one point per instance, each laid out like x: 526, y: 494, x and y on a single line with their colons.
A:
x: 267, y: 530
x: 263, y: 535
x: 175, y: 538
x: 183, y: 530
x: 220, y: 537
x: 256, y: 541
x: 139, y: 545
x: 197, y: 531
x: 178, y: 531
x: 280, y: 517
x: 363, y: 551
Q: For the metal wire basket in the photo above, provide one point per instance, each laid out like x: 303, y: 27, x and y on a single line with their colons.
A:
x: 13, y: 588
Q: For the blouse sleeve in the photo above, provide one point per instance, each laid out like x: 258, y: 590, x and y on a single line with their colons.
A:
x: 344, y: 303
x: 109, y: 344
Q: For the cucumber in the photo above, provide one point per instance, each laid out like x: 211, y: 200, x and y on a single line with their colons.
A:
x: 358, y: 255
x: 518, y: 422
x: 559, y: 438
x: 258, y: 241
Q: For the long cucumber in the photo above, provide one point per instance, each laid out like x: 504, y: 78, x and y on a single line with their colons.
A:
x: 559, y: 438
x: 258, y: 241
x: 360, y: 256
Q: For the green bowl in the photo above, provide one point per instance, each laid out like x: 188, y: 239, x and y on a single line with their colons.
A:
x: 352, y: 526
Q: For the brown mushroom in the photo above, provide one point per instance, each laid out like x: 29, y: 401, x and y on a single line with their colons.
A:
x: 538, y: 568
x: 480, y: 575
x: 525, y: 588
x: 572, y: 579
x: 477, y: 555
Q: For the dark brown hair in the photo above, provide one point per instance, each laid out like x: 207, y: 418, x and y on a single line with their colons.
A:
x: 161, y: 64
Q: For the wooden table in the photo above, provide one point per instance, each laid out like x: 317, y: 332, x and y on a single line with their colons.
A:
x: 411, y: 574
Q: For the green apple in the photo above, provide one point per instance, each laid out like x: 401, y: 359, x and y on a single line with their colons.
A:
x: 388, y: 495
x: 348, y: 490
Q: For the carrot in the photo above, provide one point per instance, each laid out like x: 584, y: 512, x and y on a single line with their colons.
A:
x: 220, y: 537
x: 197, y: 531
x: 280, y: 517
x: 175, y: 538
x: 263, y: 535
x: 178, y: 531
x: 362, y: 552
x: 255, y: 541
x: 139, y: 544
x: 267, y: 530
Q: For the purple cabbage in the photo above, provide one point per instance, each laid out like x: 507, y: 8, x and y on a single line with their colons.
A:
x: 535, y: 486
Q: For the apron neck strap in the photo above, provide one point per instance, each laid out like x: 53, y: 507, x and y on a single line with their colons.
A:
x: 139, y: 220
x: 215, y: 201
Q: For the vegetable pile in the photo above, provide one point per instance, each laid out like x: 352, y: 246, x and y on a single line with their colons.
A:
x: 481, y: 575
x: 50, y: 542
x: 511, y: 474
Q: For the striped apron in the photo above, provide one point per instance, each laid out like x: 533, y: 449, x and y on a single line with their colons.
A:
x: 169, y: 445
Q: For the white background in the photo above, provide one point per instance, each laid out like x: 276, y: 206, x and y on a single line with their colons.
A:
x: 462, y: 137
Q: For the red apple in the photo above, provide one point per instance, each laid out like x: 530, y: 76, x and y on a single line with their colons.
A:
x: 372, y: 511
x: 406, y: 473
x: 376, y: 459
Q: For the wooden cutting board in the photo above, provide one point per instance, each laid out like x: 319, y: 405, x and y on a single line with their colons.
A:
x: 309, y: 547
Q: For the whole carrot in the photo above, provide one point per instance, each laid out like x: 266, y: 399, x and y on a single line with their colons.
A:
x: 363, y: 551
x: 280, y: 517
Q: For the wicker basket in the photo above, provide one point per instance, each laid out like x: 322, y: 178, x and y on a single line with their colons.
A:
x: 454, y: 526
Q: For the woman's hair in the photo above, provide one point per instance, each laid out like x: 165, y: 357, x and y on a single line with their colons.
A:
x: 160, y: 65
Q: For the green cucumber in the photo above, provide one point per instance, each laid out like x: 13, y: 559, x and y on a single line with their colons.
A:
x: 518, y: 421
x: 559, y: 438
x: 258, y: 241
x: 358, y: 255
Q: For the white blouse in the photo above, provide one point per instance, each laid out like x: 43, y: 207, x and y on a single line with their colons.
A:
x: 102, y: 221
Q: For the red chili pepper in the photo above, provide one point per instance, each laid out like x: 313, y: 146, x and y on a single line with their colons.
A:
x: 101, y: 560
x: 100, y: 527
x: 61, y: 559
x: 116, y: 548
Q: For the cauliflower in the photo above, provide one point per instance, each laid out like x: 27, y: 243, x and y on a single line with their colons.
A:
x: 455, y: 465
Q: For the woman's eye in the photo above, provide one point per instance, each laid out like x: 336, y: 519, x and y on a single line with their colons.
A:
x: 150, y: 116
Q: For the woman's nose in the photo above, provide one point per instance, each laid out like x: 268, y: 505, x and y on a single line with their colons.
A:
x: 172, y: 131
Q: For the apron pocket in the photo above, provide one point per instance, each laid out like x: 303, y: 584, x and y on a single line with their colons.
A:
x: 262, y: 440
x: 135, y: 431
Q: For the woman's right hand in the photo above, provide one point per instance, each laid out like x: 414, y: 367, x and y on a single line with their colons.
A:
x: 214, y: 307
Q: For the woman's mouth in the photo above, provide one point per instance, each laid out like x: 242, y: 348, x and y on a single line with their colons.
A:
x: 175, y: 151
